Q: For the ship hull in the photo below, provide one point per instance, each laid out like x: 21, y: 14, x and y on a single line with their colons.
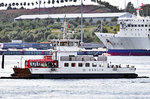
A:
x: 125, y: 46
x: 121, y: 52
x: 82, y: 76
x: 25, y: 73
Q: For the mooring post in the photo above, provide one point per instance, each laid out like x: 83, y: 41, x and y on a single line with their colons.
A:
x: 3, y: 60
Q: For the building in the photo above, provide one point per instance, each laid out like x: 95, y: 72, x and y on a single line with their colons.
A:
x: 87, y: 16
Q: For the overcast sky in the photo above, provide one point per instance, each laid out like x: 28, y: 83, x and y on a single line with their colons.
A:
x: 119, y: 3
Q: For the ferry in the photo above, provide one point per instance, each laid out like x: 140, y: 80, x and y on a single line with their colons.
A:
x: 66, y: 64
x: 133, y: 39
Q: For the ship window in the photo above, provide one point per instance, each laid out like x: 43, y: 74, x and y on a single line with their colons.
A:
x: 73, y: 64
x: 149, y: 29
x: 70, y: 59
x: 26, y: 63
x: 135, y: 25
x: 145, y: 25
x: 87, y: 65
x: 139, y: 25
x: 80, y: 64
x: 128, y: 25
x: 94, y: 64
x: 142, y: 25
x: 66, y: 64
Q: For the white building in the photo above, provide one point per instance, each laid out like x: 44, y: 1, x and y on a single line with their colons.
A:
x: 87, y: 16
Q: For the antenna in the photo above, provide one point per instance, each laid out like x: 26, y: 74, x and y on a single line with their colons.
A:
x: 137, y: 3
x: 81, y: 21
x: 125, y: 5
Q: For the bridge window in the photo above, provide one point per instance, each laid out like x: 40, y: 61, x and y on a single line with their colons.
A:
x: 73, y: 64
x: 87, y: 65
x: 66, y: 64
x: 94, y: 64
x: 80, y: 64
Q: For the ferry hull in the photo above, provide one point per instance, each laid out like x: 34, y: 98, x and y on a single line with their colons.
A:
x: 82, y: 76
x: 25, y: 73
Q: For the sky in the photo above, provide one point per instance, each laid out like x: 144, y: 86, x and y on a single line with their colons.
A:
x: 119, y: 3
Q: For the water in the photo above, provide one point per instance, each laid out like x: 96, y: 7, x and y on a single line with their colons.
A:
x: 77, y: 88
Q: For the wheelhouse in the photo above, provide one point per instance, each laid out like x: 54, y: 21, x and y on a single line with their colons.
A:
x: 47, y: 62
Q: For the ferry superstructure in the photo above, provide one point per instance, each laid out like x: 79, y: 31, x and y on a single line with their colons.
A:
x: 132, y: 39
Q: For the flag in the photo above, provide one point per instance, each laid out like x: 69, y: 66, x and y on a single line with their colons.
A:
x: 143, y: 5
x: 68, y: 26
x: 139, y: 9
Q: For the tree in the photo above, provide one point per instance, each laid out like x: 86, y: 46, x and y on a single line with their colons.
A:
x: 130, y: 8
x: 24, y: 3
x: 49, y: 2
x: 9, y: 7
x: 53, y: 1
x: 61, y: 1
x: 57, y: 1
x: 21, y: 3
x: 74, y: 0
x: 13, y: 4
x: 28, y: 4
x: 114, y: 19
x: 6, y: 5
x: 32, y: 4
x: 17, y: 4
x: 58, y: 19
x: 2, y: 4
x: 36, y: 3
x: 91, y: 20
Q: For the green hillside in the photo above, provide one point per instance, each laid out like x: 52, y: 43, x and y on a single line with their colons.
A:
x: 44, y: 30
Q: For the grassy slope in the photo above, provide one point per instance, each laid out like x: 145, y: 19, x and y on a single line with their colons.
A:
x: 11, y: 14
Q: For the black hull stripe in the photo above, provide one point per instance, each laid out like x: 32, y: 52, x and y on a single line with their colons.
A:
x: 83, y: 76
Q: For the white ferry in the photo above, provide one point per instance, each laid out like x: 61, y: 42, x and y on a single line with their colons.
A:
x: 65, y: 63
x: 133, y: 38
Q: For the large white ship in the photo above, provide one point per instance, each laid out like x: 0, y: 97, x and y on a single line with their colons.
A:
x: 132, y: 39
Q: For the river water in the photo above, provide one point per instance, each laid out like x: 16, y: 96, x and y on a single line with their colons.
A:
x: 138, y: 88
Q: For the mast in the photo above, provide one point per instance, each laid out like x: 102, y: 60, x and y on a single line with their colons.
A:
x: 81, y: 21
x: 65, y: 29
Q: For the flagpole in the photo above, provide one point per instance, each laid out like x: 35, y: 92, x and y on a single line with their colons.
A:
x: 39, y: 6
x: 125, y: 5
x: 137, y: 3
x: 81, y: 21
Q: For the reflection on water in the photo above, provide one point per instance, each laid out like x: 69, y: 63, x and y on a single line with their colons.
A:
x: 77, y: 88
